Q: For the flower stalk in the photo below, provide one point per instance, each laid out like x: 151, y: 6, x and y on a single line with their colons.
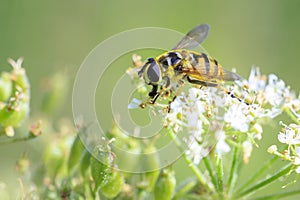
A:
x: 199, y: 175
x: 284, y: 171
x: 220, y: 174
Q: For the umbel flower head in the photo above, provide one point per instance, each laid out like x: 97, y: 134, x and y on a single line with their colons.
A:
x: 212, y: 118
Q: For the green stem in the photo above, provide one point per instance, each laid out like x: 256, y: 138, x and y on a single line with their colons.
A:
x: 13, y: 140
x: 233, y: 171
x: 263, y: 169
x: 278, y: 196
x: 208, y: 166
x: 199, y: 175
x: 220, y: 174
x: 291, y: 115
x: 266, y: 182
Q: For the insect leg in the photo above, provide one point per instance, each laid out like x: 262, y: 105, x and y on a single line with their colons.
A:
x: 235, y: 97
x: 153, y: 92
x: 153, y: 95
x: 169, y: 106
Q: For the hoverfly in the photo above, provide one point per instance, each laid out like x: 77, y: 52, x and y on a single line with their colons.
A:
x: 168, y: 71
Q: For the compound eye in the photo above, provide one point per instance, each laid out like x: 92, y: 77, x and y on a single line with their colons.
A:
x: 153, y: 72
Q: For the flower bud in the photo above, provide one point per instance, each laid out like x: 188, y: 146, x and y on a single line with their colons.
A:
x: 15, y: 89
x: 272, y: 149
x: 56, y: 91
x: 5, y: 86
x: 53, y: 158
x: 114, y: 185
x: 165, y: 186
x: 100, y: 170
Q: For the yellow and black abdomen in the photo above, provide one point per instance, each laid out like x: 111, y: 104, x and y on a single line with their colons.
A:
x: 208, y: 69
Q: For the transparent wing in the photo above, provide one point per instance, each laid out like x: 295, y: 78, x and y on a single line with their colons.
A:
x: 193, y: 38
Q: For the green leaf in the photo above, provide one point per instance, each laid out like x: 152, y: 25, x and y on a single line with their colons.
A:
x: 185, y: 187
x: 85, y: 162
x: 76, y: 153
x: 152, y: 162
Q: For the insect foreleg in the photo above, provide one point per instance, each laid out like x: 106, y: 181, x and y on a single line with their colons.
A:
x: 153, y: 92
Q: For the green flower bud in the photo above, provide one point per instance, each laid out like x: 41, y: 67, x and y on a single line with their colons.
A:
x: 165, y: 185
x: 56, y: 92
x: 5, y: 86
x: 125, y: 149
x: 20, y: 80
x: 100, y: 170
x: 22, y: 165
x: 4, y: 191
x: 114, y: 185
x: 16, y: 108
x: 53, y: 158
x: 14, y: 116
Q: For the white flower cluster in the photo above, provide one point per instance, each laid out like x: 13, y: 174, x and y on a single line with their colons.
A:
x: 189, y: 114
x: 214, y: 117
x: 289, y: 135
x: 269, y: 97
x: 210, y: 111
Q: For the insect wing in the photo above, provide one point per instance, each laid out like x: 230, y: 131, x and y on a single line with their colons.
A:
x: 193, y: 38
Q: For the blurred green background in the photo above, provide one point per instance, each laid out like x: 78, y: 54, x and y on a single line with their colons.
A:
x: 55, y: 35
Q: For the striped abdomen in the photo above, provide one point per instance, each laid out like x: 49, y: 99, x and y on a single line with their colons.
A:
x: 206, y: 68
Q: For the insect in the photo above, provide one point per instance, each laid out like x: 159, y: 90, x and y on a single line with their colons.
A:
x: 169, y: 71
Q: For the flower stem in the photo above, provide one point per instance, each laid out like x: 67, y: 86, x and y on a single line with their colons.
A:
x: 13, y: 140
x: 266, y: 182
x: 278, y: 196
x: 291, y: 115
x: 264, y: 168
x: 208, y: 166
x: 233, y: 172
x: 220, y: 174
x: 199, y: 175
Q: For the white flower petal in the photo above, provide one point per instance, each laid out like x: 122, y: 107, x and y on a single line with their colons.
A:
x: 222, y: 147
x: 298, y: 151
x: 135, y: 103
x: 297, y: 161
x: 272, y: 149
x: 281, y: 137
